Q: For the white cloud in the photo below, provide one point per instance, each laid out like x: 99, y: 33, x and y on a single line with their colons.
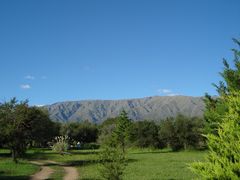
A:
x: 164, y: 91
x: 25, y: 86
x: 172, y: 94
x: 167, y: 92
x: 29, y: 77
x: 40, y: 105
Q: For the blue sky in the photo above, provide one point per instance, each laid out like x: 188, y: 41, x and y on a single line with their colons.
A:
x: 56, y: 50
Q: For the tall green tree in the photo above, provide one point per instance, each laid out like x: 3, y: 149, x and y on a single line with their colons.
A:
x: 121, y: 133
x: 223, y: 160
x: 216, y: 106
x: 223, y: 117
x: 113, y: 156
x: 42, y: 128
x: 14, y: 126
x: 181, y: 132
x: 21, y: 125
x: 145, y: 134
x: 83, y: 132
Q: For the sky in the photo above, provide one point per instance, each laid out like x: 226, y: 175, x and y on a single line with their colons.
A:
x: 56, y: 50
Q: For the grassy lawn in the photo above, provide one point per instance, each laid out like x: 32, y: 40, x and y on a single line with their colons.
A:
x: 9, y: 170
x: 149, y: 165
x: 143, y: 164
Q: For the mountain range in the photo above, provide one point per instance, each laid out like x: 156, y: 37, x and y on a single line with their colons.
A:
x: 149, y: 108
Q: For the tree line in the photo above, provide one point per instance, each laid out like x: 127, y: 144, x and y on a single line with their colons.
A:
x: 23, y: 126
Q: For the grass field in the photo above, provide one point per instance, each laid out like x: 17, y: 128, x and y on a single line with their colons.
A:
x: 143, y: 164
x: 9, y: 170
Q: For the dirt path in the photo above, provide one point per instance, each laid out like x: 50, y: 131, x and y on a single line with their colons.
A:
x: 45, y: 172
x: 71, y: 173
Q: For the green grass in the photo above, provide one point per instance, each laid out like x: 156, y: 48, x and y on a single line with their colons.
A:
x: 151, y: 164
x: 143, y: 164
x: 161, y: 165
x: 10, y: 170
x: 21, y: 170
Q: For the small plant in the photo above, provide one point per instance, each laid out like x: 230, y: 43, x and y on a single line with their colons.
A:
x: 113, y: 163
x: 60, y: 145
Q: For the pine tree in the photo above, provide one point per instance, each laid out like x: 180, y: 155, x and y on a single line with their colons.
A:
x: 122, y: 132
x: 223, y: 117
x: 216, y: 106
x: 223, y: 161
x: 113, y: 156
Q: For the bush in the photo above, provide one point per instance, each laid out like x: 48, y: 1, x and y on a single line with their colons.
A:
x: 61, y: 144
x: 113, y: 163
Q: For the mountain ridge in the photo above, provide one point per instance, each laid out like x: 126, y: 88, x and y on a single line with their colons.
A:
x: 151, y: 108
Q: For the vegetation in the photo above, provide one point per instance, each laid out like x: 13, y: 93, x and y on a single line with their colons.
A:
x: 223, y: 138
x: 147, y: 164
x: 60, y: 145
x: 21, y: 126
x: 181, y: 133
x: 142, y: 164
x: 113, y: 155
x: 145, y: 134
x: 83, y: 132
x: 113, y: 163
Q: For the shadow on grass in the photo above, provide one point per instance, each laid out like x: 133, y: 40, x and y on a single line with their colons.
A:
x: 80, y: 163
x: 154, y: 152
x: 14, y: 177
x: 6, y: 177
x: 84, y: 152
x: 5, y: 154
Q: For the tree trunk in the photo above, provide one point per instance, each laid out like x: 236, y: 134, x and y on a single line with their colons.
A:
x: 14, y: 155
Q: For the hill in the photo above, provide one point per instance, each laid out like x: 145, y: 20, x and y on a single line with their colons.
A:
x: 152, y: 108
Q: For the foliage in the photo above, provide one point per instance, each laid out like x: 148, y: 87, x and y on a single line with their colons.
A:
x: 42, y: 128
x: 21, y: 125
x: 224, y: 138
x: 112, y: 157
x: 224, y: 157
x: 14, y: 126
x: 181, y: 132
x: 106, y: 130
x: 216, y: 106
x: 90, y: 146
x: 83, y: 132
x: 121, y: 133
x: 113, y: 163
x: 60, y: 145
x: 144, y: 134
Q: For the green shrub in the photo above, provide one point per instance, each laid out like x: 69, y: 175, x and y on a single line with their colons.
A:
x: 61, y: 144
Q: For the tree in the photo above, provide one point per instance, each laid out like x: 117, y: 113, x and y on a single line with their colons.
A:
x: 223, y: 117
x: 21, y: 125
x: 121, y: 133
x: 106, y: 130
x: 216, y: 106
x: 42, y: 128
x: 113, y: 154
x: 181, y: 132
x: 14, y: 126
x: 83, y: 132
x: 223, y: 161
x: 145, y: 134
x: 113, y: 163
